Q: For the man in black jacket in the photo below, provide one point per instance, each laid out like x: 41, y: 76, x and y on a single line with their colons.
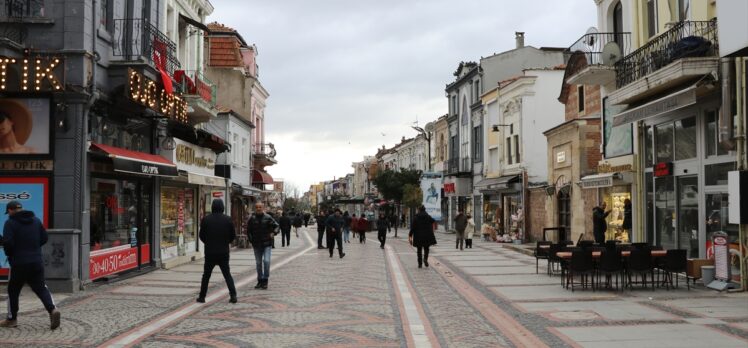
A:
x: 217, y: 232
x: 382, y: 225
x: 261, y: 230
x: 285, y: 226
x: 422, y: 236
x: 334, y: 225
x: 23, y: 237
x: 599, y: 225
x: 321, y: 220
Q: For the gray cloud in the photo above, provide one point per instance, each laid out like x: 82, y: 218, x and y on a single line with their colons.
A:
x: 341, y: 71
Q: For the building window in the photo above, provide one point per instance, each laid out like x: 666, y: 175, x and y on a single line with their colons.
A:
x: 245, y: 157
x: 683, y: 9
x: 564, y: 210
x: 477, y: 90
x: 664, y: 142
x: 618, y: 23
x: 685, y: 138
x: 648, y: 146
x: 464, y: 111
x: 516, y: 149
x: 652, y: 17
x: 493, y: 160
x: 509, y: 150
x: 580, y: 98
x: 477, y: 143
x: 454, y: 105
x: 235, y: 148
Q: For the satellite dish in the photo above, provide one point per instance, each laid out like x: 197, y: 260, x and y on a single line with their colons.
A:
x: 611, y: 53
x: 589, y: 39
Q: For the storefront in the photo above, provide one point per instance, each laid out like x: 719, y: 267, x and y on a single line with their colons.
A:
x: 502, y: 206
x: 457, y: 194
x: 614, y: 187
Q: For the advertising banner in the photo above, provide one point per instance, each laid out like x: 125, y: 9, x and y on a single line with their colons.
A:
x: 33, y: 194
x: 430, y: 185
x: 24, y: 126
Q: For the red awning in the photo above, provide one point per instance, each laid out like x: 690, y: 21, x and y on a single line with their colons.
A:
x: 261, y: 177
x: 137, y: 162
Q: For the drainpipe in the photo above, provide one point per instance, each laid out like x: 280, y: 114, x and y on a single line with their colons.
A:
x: 742, y: 109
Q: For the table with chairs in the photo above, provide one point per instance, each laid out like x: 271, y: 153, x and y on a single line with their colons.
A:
x: 611, y: 265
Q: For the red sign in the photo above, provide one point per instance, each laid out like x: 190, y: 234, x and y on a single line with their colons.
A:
x: 180, y: 211
x: 663, y: 169
x: 449, y: 188
x: 115, y: 260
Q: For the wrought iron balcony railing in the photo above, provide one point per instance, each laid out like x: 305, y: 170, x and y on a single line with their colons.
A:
x: 453, y: 165
x: 685, y: 39
x: 139, y: 40
x: 266, y: 150
x: 592, y: 44
x: 467, y: 164
x: 192, y: 82
x: 19, y: 9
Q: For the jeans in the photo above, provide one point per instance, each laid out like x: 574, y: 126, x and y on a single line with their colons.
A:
x: 382, y: 236
x: 331, y: 239
x: 32, y: 274
x: 222, y: 261
x: 346, y: 234
x: 285, y: 237
x: 262, y: 259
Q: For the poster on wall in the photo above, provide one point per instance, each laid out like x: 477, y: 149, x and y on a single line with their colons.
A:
x: 33, y: 194
x: 431, y: 186
x: 24, y: 126
x: 617, y: 141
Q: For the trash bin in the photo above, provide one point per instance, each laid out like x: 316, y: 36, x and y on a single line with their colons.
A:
x: 707, y: 274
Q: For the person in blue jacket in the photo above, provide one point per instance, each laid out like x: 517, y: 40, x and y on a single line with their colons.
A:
x: 23, y: 237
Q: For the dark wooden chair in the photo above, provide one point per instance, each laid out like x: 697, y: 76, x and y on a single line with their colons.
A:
x: 675, y: 262
x: 583, y: 265
x: 640, y: 263
x: 610, y: 264
x: 541, y: 253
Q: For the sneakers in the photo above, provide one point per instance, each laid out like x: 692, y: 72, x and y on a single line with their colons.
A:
x: 233, y: 299
x: 200, y: 300
x: 54, y: 319
x: 9, y: 323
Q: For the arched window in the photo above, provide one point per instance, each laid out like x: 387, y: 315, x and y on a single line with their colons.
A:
x: 618, y: 23
x: 564, y: 210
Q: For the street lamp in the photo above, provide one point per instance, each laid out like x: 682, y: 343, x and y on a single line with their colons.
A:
x: 427, y: 136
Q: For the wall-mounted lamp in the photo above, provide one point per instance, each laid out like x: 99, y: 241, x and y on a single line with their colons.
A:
x: 62, y: 117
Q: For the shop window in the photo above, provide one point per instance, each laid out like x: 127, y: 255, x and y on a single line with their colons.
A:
x: 115, y: 206
x: 688, y: 214
x: 685, y: 138
x: 716, y: 174
x: 615, y: 197
x: 178, y: 217
x: 648, y: 146
x: 649, y: 194
x: 713, y: 145
x: 564, y: 210
x: 665, y: 212
x: 664, y: 142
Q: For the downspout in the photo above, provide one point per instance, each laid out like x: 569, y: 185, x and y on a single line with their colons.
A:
x: 742, y: 109
x: 93, y: 96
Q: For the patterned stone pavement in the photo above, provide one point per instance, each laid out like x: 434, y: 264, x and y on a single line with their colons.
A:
x: 487, y: 296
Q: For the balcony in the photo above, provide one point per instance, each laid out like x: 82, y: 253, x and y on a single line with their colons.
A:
x: 453, y: 166
x: 264, y: 155
x: 585, y: 62
x: 200, y: 94
x: 687, y: 51
x: 139, y: 41
x: 16, y: 15
x: 467, y: 165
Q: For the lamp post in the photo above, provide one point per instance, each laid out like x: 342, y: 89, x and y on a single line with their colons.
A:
x: 427, y: 136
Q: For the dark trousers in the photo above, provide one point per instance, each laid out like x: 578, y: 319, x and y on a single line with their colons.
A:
x: 285, y: 237
x: 469, y: 243
x: 222, y: 261
x: 320, y: 234
x: 332, y: 238
x: 382, y: 236
x: 599, y: 237
x: 361, y: 237
x: 32, y: 274
x: 423, y: 254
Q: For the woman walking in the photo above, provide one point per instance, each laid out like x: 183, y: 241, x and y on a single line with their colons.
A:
x: 363, y: 226
x: 469, y: 232
x: 422, y: 236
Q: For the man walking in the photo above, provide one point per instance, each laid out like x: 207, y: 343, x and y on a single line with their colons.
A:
x: 335, y: 224
x: 422, y: 236
x: 382, y: 225
x: 261, y: 232
x: 461, y: 222
x: 321, y: 221
x: 307, y: 216
x: 217, y: 232
x: 285, y: 226
x: 599, y: 225
x: 346, y: 227
x: 297, y: 222
x: 23, y: 237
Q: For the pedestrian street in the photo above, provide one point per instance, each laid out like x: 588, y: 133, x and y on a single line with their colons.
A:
x: 487, y: 296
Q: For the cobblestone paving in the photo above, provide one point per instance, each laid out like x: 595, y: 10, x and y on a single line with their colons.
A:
x: 313, y: 301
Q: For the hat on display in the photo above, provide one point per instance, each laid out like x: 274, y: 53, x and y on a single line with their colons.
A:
x: 20, y: 115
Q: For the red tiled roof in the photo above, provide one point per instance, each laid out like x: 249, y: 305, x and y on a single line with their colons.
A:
x: 224, y: 51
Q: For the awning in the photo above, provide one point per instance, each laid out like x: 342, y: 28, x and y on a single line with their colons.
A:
x: 497, y: 183
x: 205, y: 180
x: 672, y: 102
x: 599, y: 180
x: 195, y: 23
x: 261, y: 177
x: 128, y: 161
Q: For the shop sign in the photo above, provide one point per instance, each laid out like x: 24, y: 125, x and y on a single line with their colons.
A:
x: 192, y: 158
x: 449, y: 187
x: 27, y: 165
x: 147, y: 168
x: 598, y: 182
x: 607, y: 168
x: 663, y: 169
x: 35, y: 74
x: 721, y: 256
x: 115, y: 260
x: 660, y: 106
x: 561, y: 157
x: 180, y: 211
x: 145, y: 92
x: 204, y: 180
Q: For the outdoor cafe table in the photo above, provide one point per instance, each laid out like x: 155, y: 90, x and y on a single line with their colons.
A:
x: 596, y: 254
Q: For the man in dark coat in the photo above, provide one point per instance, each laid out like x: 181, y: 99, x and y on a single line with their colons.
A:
x: 321, y: 220
x: 23, y: 237
x: 285, y: 226
x: 307, y: 216
x: 599, y: 225
x: 422, y: 236
x: 297, y: 222
x: 382, y: 225
x: 217, y: 232
x: 461, y: 222
x: 334, y: 225
x: 261, y: 230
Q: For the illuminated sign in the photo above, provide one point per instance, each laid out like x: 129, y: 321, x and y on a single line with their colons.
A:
x: 663, y: 169
x: 146, y: 92
x: 33, y: 74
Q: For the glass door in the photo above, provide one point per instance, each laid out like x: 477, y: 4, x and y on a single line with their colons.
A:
x: 665, y: 212
x: 688, y: 214
x: 144, y: 229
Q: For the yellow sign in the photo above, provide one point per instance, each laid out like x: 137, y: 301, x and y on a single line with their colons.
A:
x: 607, y: 168
x: 186, y: 155
x: 146, y: 92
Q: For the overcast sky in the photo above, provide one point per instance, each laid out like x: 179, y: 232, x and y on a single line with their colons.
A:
x: 348, y: 76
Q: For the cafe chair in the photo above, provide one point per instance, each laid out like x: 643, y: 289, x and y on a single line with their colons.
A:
x: 583, y: 265
x: 641, y: 246
x: 553, y: 259
x: 541, y: 253
x: 640, y: 262
x: 585, y: 243
x: 675, y: 262
x: 610, y: 264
